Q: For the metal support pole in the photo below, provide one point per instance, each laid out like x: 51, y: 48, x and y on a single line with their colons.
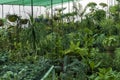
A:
x: 68, y: 10
x: 51, y: 8
x: 108, y: 9
x: 62, y: 11
x: 68, y: 6
x: 2, y: 11
x: 119, y: 9
x: 33, y: 31
x: 52, y: 14
x: 52, y: 23
x: 32, y: 8
x: 19, y: 11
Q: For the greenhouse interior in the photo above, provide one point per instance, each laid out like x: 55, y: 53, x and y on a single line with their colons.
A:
x: 59, y: 40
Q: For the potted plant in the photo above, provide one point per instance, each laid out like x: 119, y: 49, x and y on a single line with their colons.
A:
x: 103, y: 5
x: 56, y: 17
x: 110, y: 43
x: 1, y: 22
x: 23, y: 21
x: 12, y: 17
x: 92, y: 6
x: 60, y: 9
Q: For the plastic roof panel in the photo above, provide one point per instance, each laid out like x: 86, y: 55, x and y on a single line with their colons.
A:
x: 35, y: 2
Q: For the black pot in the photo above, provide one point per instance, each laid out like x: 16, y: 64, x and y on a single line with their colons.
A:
x: 24, y: 21
x: 12, y: 18
x: 1, y: 22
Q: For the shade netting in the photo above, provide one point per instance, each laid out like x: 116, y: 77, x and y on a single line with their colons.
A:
x: 34, y: 2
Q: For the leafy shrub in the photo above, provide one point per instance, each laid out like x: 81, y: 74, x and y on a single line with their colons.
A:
x: 105, y: 74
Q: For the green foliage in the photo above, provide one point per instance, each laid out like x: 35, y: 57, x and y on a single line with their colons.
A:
x: 115, y: 12
x: 77, y: 50
x: 99, y: 15
x: 94, y: 65
x: 24, y: 71
x: 118, y: 0
x: 114, y: 9
x: 71, y: 68
x: 106, y: 74
x: 3, y: 57
x: 1, y: 22
x: 111, y: 41
x: 108, y: 27
x: 103, y: 5
x: 104, y: 58
x: 116, y: 60
x: 3, y: 39
x: 92, y: 6
x: 12, y: 17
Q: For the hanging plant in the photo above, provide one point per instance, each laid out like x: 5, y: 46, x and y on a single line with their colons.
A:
x: 56, y: 17
x: 12, y: 17
x: 103, y: 5
x: 60, y: 9
x: 73, y: 13
x: 99, y: 15
x: 67, y: 14
x: 70, y: 14
x: 92, y: 6
x: 1, y: 22
x: 23, y: 21
x: 41, y: 17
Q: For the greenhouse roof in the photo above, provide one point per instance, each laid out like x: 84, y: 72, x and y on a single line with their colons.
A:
x: 35, y: 2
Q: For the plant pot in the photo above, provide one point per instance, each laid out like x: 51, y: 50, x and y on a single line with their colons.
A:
x: 56, y: 18
x: 110, y: 50
x: 1, y: 22
x: 12, y: 18
x: 24, y: 21
x: 60, y: 9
